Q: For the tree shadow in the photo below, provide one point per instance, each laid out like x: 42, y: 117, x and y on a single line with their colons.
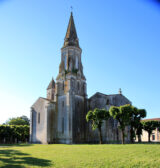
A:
x: 16, y: 144
x: 17, y: 159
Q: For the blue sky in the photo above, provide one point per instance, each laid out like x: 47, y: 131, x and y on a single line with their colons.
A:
x: 119, y: 40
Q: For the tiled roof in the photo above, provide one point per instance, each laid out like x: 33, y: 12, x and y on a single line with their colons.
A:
x: 152, y: 119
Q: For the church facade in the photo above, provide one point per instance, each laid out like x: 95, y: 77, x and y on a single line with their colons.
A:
x: 61, y: 116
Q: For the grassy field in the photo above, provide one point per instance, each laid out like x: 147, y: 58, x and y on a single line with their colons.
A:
x: 80, y: 156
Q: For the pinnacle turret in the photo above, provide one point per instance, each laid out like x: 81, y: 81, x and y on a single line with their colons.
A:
x: 51, y: 84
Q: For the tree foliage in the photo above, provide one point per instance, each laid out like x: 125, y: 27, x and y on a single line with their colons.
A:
x: 158, y: 126
x: 135, y: 117
x: 14, y: 133
x: 129, y: 115
x: 149, y: 126
x: 23, y: 120
x: 122, y: 114
x: 97, y: 116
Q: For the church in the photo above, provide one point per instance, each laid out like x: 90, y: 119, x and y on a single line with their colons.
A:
x: 61, y: 116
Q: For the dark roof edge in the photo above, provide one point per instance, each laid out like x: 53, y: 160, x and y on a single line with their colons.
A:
x: 110, y: 95
x: 96, y: 94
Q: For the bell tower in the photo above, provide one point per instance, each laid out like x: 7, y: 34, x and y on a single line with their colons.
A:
x: 71, y: 93
x: 71, y: 53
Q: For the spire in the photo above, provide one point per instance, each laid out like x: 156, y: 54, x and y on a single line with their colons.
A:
x: 51, y: 84
x: 71, y: 38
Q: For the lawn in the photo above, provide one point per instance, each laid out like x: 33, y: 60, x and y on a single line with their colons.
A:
x: 80, y: 156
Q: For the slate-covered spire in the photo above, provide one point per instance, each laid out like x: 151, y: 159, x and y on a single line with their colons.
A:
x: 51, y: 84
x: 71, y: 38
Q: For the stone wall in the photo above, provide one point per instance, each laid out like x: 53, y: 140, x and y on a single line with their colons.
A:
x: 42, y: 116
x: 110, y: 130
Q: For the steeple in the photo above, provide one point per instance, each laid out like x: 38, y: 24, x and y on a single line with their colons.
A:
x: 71, y: 38
x: 51, y: 90
x: 51, y: 84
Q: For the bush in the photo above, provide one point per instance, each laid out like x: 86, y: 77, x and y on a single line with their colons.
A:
x: 14, y: 133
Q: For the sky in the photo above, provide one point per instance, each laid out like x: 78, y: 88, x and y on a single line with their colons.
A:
x: 120, y: 43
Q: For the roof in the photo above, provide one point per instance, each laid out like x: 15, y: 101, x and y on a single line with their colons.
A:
x: 110, y: 95
x: 40, y: 101
x: 51, y: 84
x: 152, y: 119
x: 106, y: 95
x: 71, y: 38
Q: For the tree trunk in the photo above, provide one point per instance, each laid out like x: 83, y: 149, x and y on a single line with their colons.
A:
x: 122, y: 136
x: 149, y: 137
x: 100, y: 135
x: 131, y: 134
x: 139, y: 138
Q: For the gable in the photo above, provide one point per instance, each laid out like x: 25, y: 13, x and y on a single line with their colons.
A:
x: 39, y: 103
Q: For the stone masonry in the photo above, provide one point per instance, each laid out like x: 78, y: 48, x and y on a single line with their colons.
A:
x: 61, y: 117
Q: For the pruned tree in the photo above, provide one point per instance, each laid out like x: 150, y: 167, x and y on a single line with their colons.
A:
x: 97, y: 116
x: 141, y: 113
x: 149, y: 126
x: 158, y: 126
x: 136, y: 116
x: 122, y: 115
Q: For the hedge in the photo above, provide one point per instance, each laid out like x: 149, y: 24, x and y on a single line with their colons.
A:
x: 14, y: 133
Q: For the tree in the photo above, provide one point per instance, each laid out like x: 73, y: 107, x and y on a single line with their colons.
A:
x: 133, y: 122
x: 122, y: 115
x: 141, y: 113
x: 23, y: 120
x: 158, y: 126
x: 97, y: 116
x: 149, y: 126
x: 135, y: 117
x: 139, y: 131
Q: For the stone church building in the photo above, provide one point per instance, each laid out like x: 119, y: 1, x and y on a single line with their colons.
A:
x: 61, y: 117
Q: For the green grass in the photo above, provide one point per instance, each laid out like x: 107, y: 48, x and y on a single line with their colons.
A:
x: 80, y: 156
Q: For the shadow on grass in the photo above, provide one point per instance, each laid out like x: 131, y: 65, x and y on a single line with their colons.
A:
x: 17, y: 159
x: 13, y: 145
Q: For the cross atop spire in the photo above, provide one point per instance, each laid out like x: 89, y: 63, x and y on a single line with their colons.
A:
x: 71, y: 8
x: 120, y: 91
x: 71, y: 38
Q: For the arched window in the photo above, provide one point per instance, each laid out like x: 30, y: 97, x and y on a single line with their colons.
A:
x: 78, y: 87
x: 63, y: 85
x: 65, y: 62
x: 76, y: 62
x: 107, y: 102
x: 62, y: 125
x: 38, y: 118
